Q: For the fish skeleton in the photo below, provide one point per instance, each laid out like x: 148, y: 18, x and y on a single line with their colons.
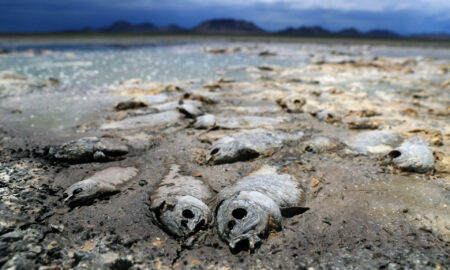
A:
x: 179, y: 204
x: 253, y: 206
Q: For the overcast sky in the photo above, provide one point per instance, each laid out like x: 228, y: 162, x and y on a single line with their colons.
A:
x: 403, y: 16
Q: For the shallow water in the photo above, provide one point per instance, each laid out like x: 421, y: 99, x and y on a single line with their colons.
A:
x: 105, y: 65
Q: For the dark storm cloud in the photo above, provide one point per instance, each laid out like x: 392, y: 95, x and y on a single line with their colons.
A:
x: 402, y: 15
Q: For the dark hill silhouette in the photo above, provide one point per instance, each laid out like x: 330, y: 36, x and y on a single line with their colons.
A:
x: 226, y: 26
x: 232, y: 26
x: 349, y: 32
x: 126, y: 27
x: 306, y: 31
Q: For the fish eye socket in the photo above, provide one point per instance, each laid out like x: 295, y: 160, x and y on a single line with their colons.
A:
x: 187, y: 214
x: 308, y: 148
x: 239, y: 213
x: 78, y: 190
x: 395, y: 153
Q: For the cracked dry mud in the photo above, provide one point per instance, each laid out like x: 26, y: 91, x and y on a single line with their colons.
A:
x: 363, y: 211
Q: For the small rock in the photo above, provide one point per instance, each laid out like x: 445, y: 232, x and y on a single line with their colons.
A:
x: 11, y: 236
x: 265, y: 68
x: 53, y: 245
x: 57, y: 228
x: 121, y: 264
x: 18, y: 262
x: 99, y: 156
x: 142, y: 182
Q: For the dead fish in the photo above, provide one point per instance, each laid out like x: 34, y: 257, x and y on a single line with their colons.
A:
x: 374, y: 142
x: 253, y: 206
x: 267, y: 53
x: 364, y: 113
x: 178, y: 205
x: 247, y: 145
x: 363, y: 123
x: 130, y: 104
x: 207, y: 121
x: 88, y: 149
x: 189, y: 110
x: 320, y: 144
x: 101, y: 183
x: 203, y: 99
x: 173, y: 105
x: 292, y: 104
x: 266, y: 68
x: 413, y: 155
x: 325, y: 116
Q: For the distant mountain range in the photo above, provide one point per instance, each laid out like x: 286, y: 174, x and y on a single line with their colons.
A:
x: 318, y: 31
x: 232, y: 26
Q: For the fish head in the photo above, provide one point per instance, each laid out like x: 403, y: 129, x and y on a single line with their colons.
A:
x: 245, y: 217
x: 185, y: 215
x: 82, y: 190
x: 414, y: 155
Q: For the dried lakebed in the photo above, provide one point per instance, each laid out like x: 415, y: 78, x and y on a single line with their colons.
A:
x: 338, y: 158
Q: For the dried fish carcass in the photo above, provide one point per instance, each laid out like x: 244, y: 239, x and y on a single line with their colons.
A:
x: 178, y: 205
x: 253, y: 206
x: 102, y: 183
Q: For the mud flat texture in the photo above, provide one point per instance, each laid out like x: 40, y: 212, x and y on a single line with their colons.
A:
x: 357, y: 134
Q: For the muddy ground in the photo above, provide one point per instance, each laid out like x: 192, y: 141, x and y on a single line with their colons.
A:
x: 362, y: 212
